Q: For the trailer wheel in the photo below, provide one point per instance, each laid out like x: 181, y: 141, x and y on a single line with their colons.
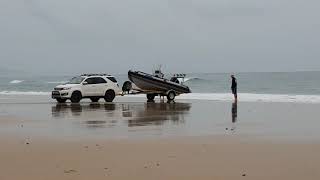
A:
x: 150, y: 97
x: 171, y: 95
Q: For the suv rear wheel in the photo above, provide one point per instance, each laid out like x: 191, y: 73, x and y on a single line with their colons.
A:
x: 109, y: 96
x: 76, y: 97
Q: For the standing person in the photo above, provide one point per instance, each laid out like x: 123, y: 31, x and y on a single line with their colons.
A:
x: 234, y: 87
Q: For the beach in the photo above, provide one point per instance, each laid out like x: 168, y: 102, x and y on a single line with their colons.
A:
x: 241, y: 78
x: 132, y: 139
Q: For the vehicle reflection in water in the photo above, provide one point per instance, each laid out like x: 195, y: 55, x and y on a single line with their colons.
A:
x: 159, y: 113
x: 122, y: 114
x: 89, y: 114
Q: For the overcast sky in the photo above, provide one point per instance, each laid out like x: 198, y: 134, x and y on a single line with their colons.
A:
x: 59, y: 36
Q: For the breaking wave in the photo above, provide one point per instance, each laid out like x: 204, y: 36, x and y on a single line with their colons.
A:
x: 24, y: 93
x: 57, y: 82
x: 16, y: 81
x: 187, y: 79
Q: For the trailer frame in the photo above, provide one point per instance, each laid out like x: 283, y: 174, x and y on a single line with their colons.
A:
x: 151, y: 94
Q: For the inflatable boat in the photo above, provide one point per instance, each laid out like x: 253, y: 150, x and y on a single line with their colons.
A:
x: 155, y: 84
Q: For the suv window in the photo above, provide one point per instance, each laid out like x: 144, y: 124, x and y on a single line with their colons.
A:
x: 112, y: 79
x: 96, y: 80
x: 76, y: 80
x: 100, y: 80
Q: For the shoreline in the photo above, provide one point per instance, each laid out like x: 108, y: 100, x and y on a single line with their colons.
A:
x: 219, y: 97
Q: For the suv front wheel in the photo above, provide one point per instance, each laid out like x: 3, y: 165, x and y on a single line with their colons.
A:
x: 76, y: 97
x: 109, y: 96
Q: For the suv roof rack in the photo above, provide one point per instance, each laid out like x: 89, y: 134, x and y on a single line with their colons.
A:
x: 99, y: 74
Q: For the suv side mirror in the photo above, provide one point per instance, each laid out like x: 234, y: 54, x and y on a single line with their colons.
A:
x: 85, y: 83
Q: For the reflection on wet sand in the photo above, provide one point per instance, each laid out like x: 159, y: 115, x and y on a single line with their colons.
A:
x: 60, y: 110
x: 234, y: 111
x: 234, y: 115
x: 133, y: 114
x: 86, y: 113
x: 158, y: 113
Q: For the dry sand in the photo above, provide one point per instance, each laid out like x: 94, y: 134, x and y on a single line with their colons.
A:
x: 180, y: 158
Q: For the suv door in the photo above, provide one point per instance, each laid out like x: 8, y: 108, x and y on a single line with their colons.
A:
x: 90, y: 88
x: 101, y: 86
x: 96, y: 86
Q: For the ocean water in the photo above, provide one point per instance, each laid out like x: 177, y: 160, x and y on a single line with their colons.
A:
x: 264, y: 86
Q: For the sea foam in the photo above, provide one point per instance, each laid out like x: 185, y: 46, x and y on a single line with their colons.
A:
x: 243, y: 97
x: 249, y: 97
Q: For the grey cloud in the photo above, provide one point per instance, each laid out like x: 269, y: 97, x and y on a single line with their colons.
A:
x: 59, y: 36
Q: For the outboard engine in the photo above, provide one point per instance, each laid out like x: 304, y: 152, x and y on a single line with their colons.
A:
x: 175, y: 79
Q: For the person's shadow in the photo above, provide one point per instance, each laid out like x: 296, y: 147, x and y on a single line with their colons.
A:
x: 234, y: 115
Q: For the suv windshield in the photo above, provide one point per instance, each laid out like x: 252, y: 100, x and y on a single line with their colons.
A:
x: 76, y: 80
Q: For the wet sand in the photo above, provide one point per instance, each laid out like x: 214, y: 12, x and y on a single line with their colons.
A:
x: 131, y: 139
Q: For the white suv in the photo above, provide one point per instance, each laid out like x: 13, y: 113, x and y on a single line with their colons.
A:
x: 93, y: 86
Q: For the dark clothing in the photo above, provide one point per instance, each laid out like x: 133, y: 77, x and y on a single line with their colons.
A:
x: 234, y: 85
x: 234, y: 90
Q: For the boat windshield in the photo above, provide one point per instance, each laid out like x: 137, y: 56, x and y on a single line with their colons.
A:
x: 76, y: 80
